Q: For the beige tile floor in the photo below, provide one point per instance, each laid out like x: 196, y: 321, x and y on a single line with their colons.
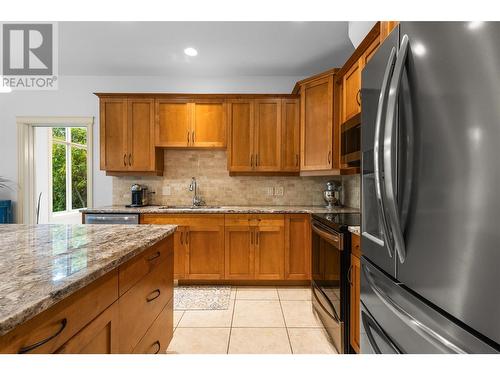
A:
x: 260, y: 320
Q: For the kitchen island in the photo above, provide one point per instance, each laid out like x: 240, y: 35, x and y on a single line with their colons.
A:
x: 86, y: 288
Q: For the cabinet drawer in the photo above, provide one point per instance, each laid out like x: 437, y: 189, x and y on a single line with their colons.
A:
x: 158, y: 336
x: 142, y: 303
x: 49, y: 330
x: 355, y: 245
x: 255, y: 220
x: 138, y: 267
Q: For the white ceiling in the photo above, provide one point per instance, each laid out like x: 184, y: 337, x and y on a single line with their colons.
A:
x: 224, y: 48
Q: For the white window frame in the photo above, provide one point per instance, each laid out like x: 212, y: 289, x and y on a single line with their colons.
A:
x: 25, y: 207
x: 69, y: 191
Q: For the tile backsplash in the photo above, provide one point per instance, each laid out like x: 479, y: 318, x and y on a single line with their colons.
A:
x: 218, y: 188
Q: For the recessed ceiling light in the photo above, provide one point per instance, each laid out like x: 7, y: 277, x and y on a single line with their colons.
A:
x: 190, y: 51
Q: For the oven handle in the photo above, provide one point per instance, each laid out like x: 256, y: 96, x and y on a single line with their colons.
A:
x: 335, y: 316
x: 332, y: 238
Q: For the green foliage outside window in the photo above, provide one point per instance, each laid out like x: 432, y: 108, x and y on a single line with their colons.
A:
x: 78, y: 157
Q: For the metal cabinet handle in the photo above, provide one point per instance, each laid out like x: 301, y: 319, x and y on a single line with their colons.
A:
x: 358, y: 97
x: 130, y: 159
x: 125, y: 160
x: 156, y: 292
x: 390, y: 194
x: 157, y: 343
x: 29, y: 348
x: 188, y: 138
x: 153, y: 256
x: 329, y: 157
x: 251, y: 237
x: 182, y: 234
x: 349, y: 275
x: 192, y: 137
x: 251, y: 160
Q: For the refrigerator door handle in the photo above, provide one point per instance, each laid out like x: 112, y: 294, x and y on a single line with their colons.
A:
x: 407, y: 318
x: 392, y: 208
x: 370, y: 325
x: 377, y: 149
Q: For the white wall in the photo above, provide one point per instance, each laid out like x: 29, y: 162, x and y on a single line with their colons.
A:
x: 75, y: 98
x: 357, y: 31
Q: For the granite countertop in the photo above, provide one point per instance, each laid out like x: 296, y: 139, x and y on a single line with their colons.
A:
x: 355, y: 229
x: 43, y: 264
x: 154, y: 209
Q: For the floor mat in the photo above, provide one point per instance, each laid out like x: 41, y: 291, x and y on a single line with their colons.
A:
x: 202, y: 297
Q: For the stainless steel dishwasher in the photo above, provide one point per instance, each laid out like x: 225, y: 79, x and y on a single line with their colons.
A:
x: 112, y: 218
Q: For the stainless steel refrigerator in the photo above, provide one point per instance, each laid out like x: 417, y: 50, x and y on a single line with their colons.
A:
x: 430, y: 272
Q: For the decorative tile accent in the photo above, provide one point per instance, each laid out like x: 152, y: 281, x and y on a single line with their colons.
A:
x: 202, y: 297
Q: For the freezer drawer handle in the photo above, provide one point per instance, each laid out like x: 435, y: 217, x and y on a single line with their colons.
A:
x: 369, y: 325
x: 392, y: 207
x: 407, y: 318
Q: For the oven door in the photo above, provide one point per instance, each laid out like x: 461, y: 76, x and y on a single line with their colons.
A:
x: 328, y: 288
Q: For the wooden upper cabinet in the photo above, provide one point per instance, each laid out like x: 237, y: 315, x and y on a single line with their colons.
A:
x: 316, y: 124
x: 297, y: 247
x: 113, y: 134
x: 141, y: 156
x: 127, y: 137
x: 351, y: 92
x: 208, y: 124
x: 173, y: 123
x: 290, y: 135
x: 241, y: 135
x: 267, y: 137
x: 187, y: 123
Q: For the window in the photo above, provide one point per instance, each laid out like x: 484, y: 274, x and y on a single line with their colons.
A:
x: 69, y: 166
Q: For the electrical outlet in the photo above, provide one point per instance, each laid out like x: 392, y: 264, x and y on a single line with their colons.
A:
x: 278, y: 191
x: 270, y: 191
x: 165, y: 190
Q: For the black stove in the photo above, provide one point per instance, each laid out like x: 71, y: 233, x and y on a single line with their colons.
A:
x: 338, y: 221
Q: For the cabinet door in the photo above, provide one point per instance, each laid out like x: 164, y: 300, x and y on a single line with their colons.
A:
x: 208, y: 124
x: 159, y: 335
x: 355, y: 280
x: 239, y: 252
x: 204, y: 251
x: 113, y: 134
x: 290, y: 135
x: 173, y: 123
x: 179, y: 253
x: 317, y: 124
x: 267, y: 136
x: 99, y: 337
x: 297, y: 247
x: 241, y: 134
x: 141, y: 149
x: 269, y: 253
x: 351, y: 100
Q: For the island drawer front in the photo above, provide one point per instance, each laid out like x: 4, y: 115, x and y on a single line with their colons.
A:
x: 158, y: 336
x: 183, y: 219
x: 63, y: 320
x: 255, y: 220
x: 142, y: 303
x: 141, y: 265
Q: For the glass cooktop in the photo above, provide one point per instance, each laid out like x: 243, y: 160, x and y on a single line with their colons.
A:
x: 338, y: 221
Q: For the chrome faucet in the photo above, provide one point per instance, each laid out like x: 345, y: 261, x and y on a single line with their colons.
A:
x: 197, y: 200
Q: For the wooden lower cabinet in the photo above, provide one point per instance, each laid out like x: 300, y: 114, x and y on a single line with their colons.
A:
x: 239, y: 252
x: 269, y: 252
x: 297, y: 247
x: 99, y: 319
x: 355, y: 281
x: 99, y: 337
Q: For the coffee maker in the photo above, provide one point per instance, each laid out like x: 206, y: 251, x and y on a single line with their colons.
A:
x: 139, y: 195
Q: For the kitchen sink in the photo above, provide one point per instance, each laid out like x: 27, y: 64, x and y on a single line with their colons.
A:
x: 186, y: 207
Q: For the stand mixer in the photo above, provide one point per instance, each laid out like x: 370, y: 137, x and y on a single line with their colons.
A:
x: 332, y: 194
